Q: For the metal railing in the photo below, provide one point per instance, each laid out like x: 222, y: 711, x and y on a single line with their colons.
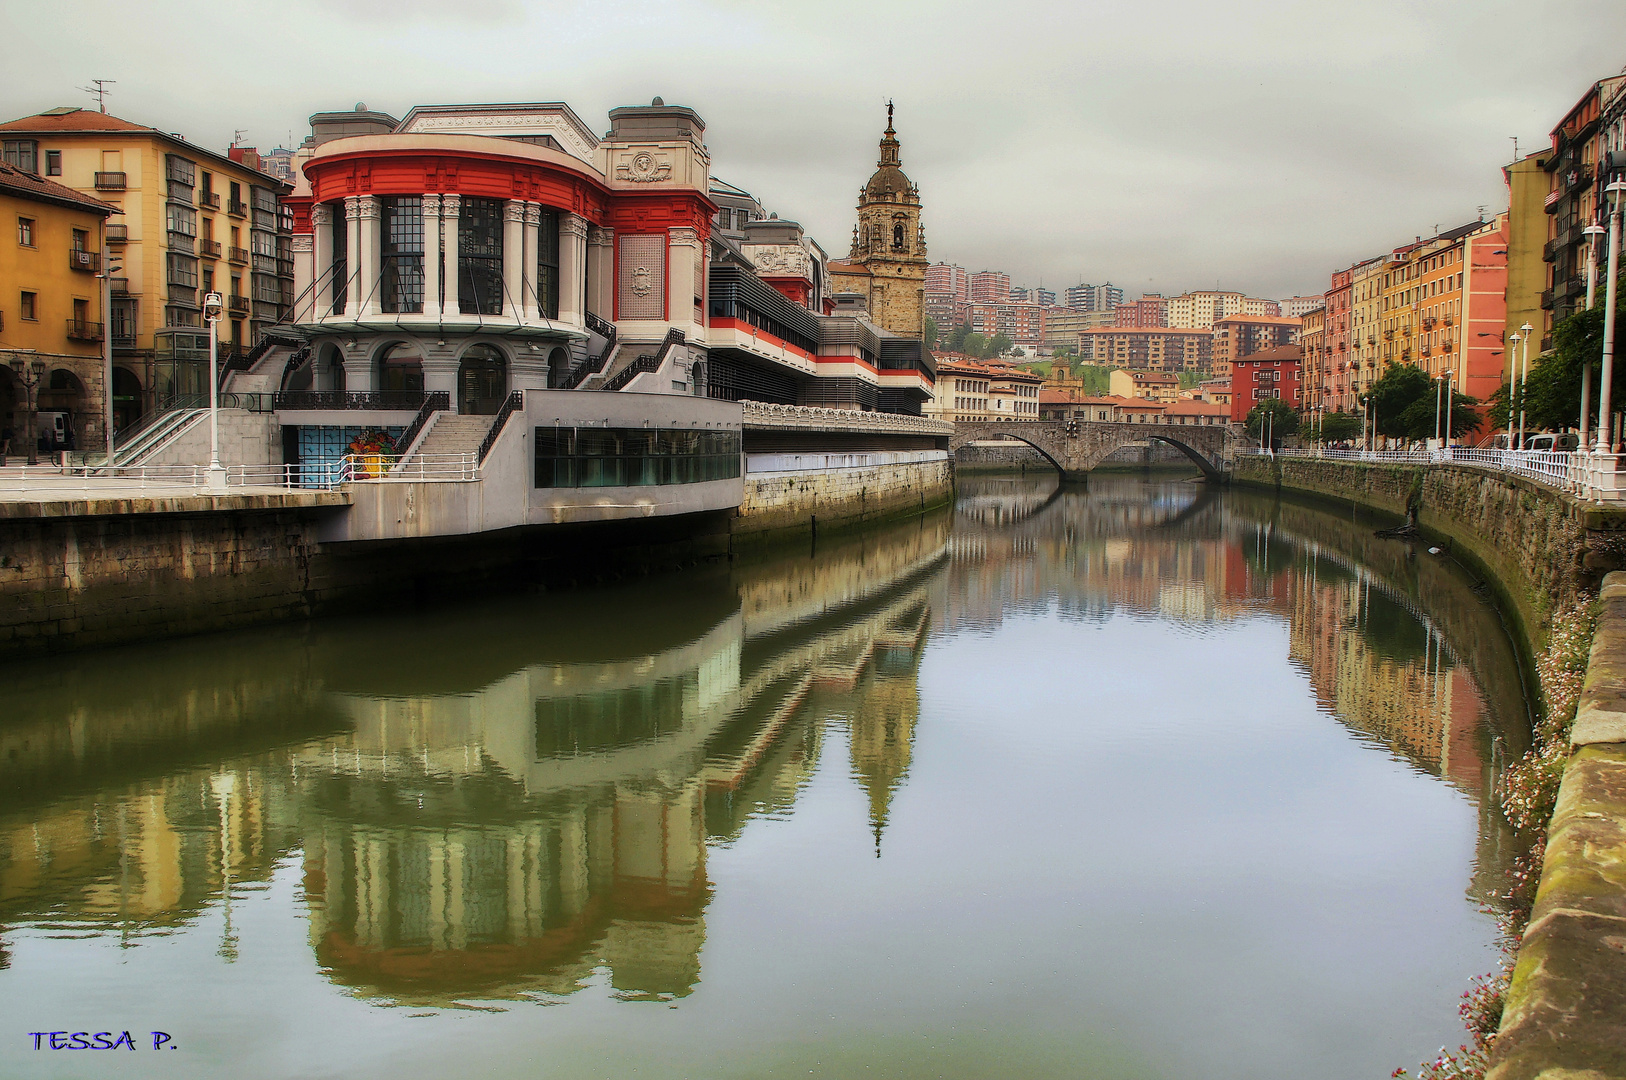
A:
x: 79, y: 259
x: 80, y: 330
x: 209, y: 249
x: 109, y: 181
x: 433, y: 402
x: 514, y: 403
x: 352, y: 399
x: 1591, y: 476
x: 53, y: 481
x: 645, y: 364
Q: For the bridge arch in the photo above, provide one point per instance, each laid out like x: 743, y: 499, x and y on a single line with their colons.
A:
x: 1076, y: 447
x: 1061, y: 470
x: 1207, y: 467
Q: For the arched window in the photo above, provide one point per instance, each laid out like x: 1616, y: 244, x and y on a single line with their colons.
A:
x: 400, y: 368
x: 482, y: 380
x: 897, y: 236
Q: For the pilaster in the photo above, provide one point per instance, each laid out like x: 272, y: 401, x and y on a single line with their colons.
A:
x: 431, y: 257
x: 513, y: 257
x: 573, y: 286
x: 682, y: 288
x: 600, y: 277
x: 358, y: 368
x: 353, y: 229
x: 451, y: 208
x: 440, y: 369
x: 529, y: 294
x: 367, y: 279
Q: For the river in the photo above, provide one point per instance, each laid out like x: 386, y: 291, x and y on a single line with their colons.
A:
x: 1148, y: 780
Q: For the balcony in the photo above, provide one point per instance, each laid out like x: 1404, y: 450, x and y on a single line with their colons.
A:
x: 79, y: 330
x: 237, y: 255
x: 181, y: 242
x: 88, y: 261
x: 237, y: 209
x: 109, y: 181
x: 1428, y: 322
x: 237, y: 305
x: 211, y: 199
x: 339, y: 399
x: 1447, y: 347
x: 119, y: 285
x: 209, y: 249
x: 118, y: 234
x: 1450, y: 320
x: 1547, y: 299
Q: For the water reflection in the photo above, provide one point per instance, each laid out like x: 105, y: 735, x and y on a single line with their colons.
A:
x: 512, y: 801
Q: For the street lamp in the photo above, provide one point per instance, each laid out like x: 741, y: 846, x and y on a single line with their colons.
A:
x: 1616, y: 189
x: 30, y: 374
x: 1513, y: 340
x: 212, y: 308
x: 1524, y: 378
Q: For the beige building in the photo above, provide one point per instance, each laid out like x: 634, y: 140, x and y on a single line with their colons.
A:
x: 888, y: 262
x: 1201, y: 310
x: 1366, y: 324
x: 190, y: 222
x: 1144, y: 385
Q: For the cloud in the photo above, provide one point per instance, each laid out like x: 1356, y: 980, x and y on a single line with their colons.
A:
x: 1159, y: 143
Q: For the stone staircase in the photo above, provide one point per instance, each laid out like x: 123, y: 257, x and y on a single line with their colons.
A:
x: 453, y: 434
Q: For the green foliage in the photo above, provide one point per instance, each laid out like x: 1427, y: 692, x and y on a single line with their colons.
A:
x: 1552, y: 394
x: 1335, y: 427
x: 1188, y: 379
x: 1283, y: 420
x: 1406, y: 402
x: 929, y: 333
x: 999, y: 345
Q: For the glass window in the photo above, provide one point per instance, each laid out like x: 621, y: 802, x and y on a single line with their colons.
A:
x: 27, y: 306
x: 181, y: 219
x: 401, y: 261
x: 25, y: 231
x: 341, y: 269
x: 53, y: 163
x: 547, y: 265
x: 633, y: 457
x: 21, y: 154
x: 479, y: 257
x: 180, y: 170
x: 79, y: 241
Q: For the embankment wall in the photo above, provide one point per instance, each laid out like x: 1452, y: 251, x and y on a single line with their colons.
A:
x: 784, y: 504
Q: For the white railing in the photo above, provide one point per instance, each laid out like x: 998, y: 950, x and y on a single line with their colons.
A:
x: 1592, y: 476
x: 46, y: 481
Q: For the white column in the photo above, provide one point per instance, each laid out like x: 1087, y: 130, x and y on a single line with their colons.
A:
x: 572, y: 269
x: 371, y: 246
x: 451, y: 208
x: 352, y: 228
x: 431, y: 257
x: 682, y: 245
x: 321, y: 263
x: 530, y: 301
x: 513, y: 259
x: 600, y: 286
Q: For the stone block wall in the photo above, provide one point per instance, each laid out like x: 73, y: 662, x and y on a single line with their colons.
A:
x: 246, y: 438
x: 1543, y: 549
x: 792, y: 502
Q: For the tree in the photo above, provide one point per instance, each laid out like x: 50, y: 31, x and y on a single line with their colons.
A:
x: 999, y: 346
x: 1018, y: 352
x: 1283, y: 420
x: 1552, y: 394
x: 957, y: 336
x: 1408, y: 404
x: 928, y: 333
x: 1337, y: 427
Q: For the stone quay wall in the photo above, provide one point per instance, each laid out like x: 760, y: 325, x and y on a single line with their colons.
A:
x: 792, y: 503
x: 1565, y: 1010
x: 1542, y: 549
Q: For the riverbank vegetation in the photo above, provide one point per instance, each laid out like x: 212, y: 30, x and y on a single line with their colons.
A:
x: 1528, y: 792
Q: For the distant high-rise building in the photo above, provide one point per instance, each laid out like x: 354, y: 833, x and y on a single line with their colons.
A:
x: 1088, y: 297
x: 990, y: 287
x: 1296, y: 307
x: 945, y: 280
x: 1201, y: 310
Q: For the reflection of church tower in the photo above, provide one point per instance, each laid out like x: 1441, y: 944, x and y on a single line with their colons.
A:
x: 882, y: 731
x: 888, y: 259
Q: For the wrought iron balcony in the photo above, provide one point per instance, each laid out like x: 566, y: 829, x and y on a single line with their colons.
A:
x: 119, y: 285
x: 117, y: 234
x: 88, y: 261
x: 237, y: 255
x: 109, y: 181
x: 209, y: 249
x: 210, y: 199
x: 237, y: 305
x: 340, y: 399
x: 80, y: 330
x: 237, y: 208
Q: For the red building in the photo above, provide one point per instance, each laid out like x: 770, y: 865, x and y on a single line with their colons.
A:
x: 1260, y: 376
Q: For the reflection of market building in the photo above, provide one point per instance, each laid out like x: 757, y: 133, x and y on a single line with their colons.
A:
x: 504, y: 810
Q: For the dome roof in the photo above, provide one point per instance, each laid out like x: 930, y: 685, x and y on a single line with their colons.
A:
x: 888, y: 180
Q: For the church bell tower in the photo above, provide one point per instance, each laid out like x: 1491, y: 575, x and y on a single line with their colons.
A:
x: 889, y: 243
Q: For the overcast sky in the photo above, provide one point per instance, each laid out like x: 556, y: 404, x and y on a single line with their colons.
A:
x: 1163, y: 145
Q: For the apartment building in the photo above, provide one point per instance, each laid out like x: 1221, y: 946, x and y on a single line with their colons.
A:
x: 989, y: 287
x: 1201, y: 310
x: 1236, y: 336
x: 1337, y: 395
x: 1149, y: 312
x: 948, y: 280
x: 1144, y: 385
x: 1576, y: 179
x: 190, y: 222
x: 1064, y: 328
x: 1156, y: 349
x: 1260, y: 376
x: 1313, y: 348
x: 1086, y: 297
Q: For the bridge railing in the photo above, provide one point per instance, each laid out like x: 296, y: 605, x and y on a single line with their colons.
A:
x: 1586, y: 475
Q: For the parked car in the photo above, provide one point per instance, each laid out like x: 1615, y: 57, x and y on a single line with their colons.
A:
x: 1561, y: 441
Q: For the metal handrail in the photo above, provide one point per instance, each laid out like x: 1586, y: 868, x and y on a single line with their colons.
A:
x: 354, y: 399
x: 593, y: 364
x: 646, y: 363
x: 433, y: 402
x: 515, y: 402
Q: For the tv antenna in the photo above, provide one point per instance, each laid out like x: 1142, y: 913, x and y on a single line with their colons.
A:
x: 1515, y: 139
x: 99, y: 91
x: 237, y: 136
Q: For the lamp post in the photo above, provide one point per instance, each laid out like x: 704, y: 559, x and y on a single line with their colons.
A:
x: 212, y: 306
x: 1513, y: 340
x: 1524, y: 378
x: 30, y: 375
x: 1591, y: 232
x: 1605, y: 378
x: 1450, y: 391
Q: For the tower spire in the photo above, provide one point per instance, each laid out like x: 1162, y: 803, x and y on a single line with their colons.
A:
x: 889, y: 141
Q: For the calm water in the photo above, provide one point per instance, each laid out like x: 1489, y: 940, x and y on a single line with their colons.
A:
x: 1139, y: 782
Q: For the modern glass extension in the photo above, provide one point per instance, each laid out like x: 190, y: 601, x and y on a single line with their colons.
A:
x: 568, y: 457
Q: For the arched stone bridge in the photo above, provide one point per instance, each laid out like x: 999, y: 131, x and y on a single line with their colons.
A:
x: 1076, y: 447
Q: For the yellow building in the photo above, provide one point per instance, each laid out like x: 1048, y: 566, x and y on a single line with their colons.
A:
x: 1366, y: 323
x: 192, y: 222
x: 51, y: 320
x: 1527, y: 185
